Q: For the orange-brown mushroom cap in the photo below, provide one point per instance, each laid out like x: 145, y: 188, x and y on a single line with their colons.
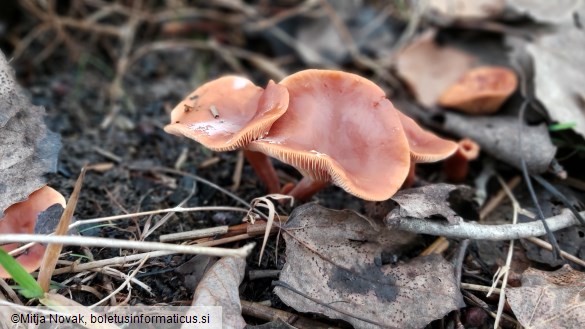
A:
x: 482, y: 90
x: 228, y: 113
x: 340, y: 127
x: 424, y: 145
x: 21, y: 218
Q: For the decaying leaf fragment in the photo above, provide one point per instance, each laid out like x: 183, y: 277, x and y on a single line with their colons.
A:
x: 219, y: 287
x: 340, y: 259
x: 437, y: 201
x: 550, y: 299
x: 27, y: 148
x: 558, y: 85
x: 498, y: 136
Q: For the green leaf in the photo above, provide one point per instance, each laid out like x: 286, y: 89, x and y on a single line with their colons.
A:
x: 29, y: 287
x: 562, y: 126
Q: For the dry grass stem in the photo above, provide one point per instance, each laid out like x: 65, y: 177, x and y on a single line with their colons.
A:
x: 195, y: 234
x: 264, y: 202
x: 53, y: 251
x: 123, y: 285
x: 477, y: 287
x: 503, y: 272
x: 125, y: 244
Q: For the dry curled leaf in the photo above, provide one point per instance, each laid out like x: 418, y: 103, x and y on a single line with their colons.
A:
x: 341, y: 260
x: 28, y: 149
x: 550, y: 299
x: 437, y: 201
x: 219, y: 287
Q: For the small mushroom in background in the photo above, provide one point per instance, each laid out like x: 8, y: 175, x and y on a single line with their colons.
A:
x: 341, y: 128
x: 456, y: 167
x: 228, y: 113
x: 20, y: 218
x: 481, y: 90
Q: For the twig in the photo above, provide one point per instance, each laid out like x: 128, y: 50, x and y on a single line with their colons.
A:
x: 466, y: 230
x: 116, y: 243
x: 437, y: 247
x: 497, y: 199
x: 458, y: 262
x: 272, y: 314
x: 195, y: 234
x: 99, y: 264
x: 477, y: 287
x: 548, y: 246
x: 237, y: 175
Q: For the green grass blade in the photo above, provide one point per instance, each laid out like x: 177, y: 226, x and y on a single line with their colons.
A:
x: 29, y: 287
x: 562, y: 126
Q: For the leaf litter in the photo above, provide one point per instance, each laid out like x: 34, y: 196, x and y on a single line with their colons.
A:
x: 219, y: 287
x: 550, y: 299
x: 28, y: 149
x: 373, y: 264
x: 340, y: 259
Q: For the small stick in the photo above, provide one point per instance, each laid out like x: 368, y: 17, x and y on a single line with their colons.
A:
x: 194, y: 234
x: 182, y: 158
x: 477, y: 287
x: 126, y: 244
x: 437, y: 247
x: 237, y: 176
x: 467, y: 230
x: 214, y: 111
x: 543, y: 244
x: 107, y: 154
x: 267, y: 313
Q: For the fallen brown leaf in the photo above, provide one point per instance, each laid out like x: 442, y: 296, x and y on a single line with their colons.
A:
x: 339, y: 261
x: 550, y: 299
x: 437, y: 201
x: 28, y: 149
x: 219, y: 287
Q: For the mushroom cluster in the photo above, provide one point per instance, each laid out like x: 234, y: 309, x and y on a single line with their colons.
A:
x: 332, y: 126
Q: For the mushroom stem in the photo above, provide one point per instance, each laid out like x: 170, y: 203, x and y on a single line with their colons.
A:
x: 456, y: 167
x: 306, y: 188
x: 264, y: 169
